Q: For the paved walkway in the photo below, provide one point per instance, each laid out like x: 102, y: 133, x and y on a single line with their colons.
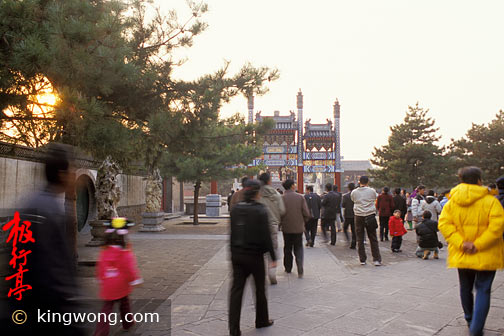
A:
x: 414, y: 297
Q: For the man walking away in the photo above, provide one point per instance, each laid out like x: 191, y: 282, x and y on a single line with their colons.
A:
x: 348, y: 206
x: 239, y: 195
x: 250, y: 239
x: 338, y: 208
x: 416, y: 205
x: 385, y: 205
x: 400, y: 203
x: 432, y: 204
x: 364, y: 199
x: 472, y: 224
x: 314, y: 203
x: 293, y: 226
x: 500, y: 187
x: 329, y: 204
x: 52, y: 261
x: 273, y: 202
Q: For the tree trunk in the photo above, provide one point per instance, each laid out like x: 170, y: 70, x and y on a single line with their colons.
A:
x: 197, y: 188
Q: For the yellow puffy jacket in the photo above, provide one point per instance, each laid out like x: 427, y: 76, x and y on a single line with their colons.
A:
x: 473, y: 215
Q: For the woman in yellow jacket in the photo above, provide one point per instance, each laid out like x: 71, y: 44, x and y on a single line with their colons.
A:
x: 472, y: 223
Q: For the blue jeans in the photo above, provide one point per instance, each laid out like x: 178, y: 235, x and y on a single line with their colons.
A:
x: 475, y: 313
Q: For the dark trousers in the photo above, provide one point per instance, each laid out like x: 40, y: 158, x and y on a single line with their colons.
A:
x: 293, y: 242
x: 475, y: 313
x: 369, y: 225
x: 243, y: 266
x: 311, y: 230
x: 350, y: 222
x: 384, y: 229
x: 103, y: 328
x: 329, y: 223
x: 396, y: 243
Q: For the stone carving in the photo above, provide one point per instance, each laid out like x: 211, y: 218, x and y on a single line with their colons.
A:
x: 154, y: 192
x: 108, y: 192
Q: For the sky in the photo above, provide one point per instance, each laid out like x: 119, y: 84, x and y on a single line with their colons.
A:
x: 376, y: 57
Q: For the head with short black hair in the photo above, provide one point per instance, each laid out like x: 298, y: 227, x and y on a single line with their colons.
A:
x: 386, y: 190
x: 470, y: 175
x: 244, y: 181
x: 57, y: 164
x: 288, y: 184
x: 431, y: 193
x: 351, y: 186
x: 420, y: 189
x: 328, y: 187
x: 427, y: 214
x: 500, y: 182
x: 492, y: 186
x: 335, y: 187
x: 397, y: 191
x: 364, y: 180
x: 265, y: 178
x: 309, y: 188
x: 251, y: 190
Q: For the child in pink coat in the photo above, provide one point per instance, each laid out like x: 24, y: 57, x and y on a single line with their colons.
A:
x: 117, y: 273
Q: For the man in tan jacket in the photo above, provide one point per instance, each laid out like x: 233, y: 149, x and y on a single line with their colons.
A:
x: 275, y: 206
x: 293, y: 226
x: 239, y: 195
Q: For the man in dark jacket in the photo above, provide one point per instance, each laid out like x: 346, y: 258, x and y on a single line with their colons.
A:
x: 331, y: 201
x: 385, y: 206
x: 500, y: 187
x: 348, y: 205
x: 52, y: 262
x: 400, y: 203
x: 314, y: 204
x: 250, y: 239
x: 427, y: 237
x: 339, y: 219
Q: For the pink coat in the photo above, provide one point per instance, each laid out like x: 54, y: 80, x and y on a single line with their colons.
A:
x: 117, y: 272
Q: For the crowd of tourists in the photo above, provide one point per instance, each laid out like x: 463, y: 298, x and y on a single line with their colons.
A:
x: 470, y: 217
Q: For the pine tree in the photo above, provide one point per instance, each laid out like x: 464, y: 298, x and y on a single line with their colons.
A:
x: 483, y: 146
x: 201, y: 147
x: 412, y: 156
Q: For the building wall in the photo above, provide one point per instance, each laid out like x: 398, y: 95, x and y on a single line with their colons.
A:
x: 19, y: 179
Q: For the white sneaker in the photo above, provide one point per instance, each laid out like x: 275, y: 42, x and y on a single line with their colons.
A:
x: 377, y: 263
x: 363, y: 263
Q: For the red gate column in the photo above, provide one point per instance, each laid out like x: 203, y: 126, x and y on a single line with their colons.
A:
x: 213, y: 187
x: 337, y: 180
x: 300, y: 179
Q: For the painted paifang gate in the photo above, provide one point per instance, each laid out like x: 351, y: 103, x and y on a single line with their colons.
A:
x: 290, y: 150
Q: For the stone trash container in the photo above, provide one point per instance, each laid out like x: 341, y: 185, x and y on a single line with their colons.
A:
x: 213, y: 205
x: 152, y: 222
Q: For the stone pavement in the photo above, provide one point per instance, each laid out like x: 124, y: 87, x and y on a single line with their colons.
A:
x: 165, y: 261
x: 411, y: 297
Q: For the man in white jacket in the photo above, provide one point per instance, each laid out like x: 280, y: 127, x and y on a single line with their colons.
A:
x: 432, y: 205
x: 364, y: 199
x: 416, y: 205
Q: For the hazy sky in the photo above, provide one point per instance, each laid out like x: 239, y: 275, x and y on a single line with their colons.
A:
x: 376, y: 57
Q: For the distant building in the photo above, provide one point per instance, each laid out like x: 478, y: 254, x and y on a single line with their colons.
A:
x: 353, y: 170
